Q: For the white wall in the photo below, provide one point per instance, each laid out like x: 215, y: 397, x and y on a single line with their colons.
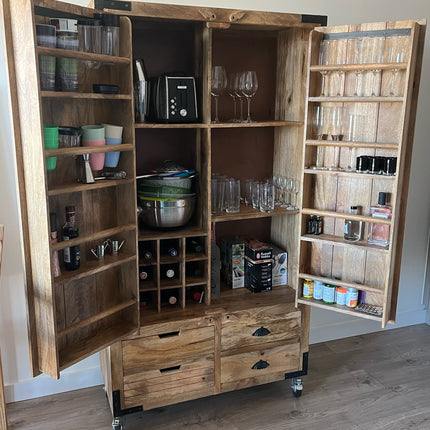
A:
x: 324, y: 325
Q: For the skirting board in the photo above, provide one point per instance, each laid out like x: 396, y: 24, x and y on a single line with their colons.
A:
x: 88, y: 377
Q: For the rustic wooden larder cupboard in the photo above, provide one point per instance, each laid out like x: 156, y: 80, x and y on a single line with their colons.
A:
x: 154, y: 354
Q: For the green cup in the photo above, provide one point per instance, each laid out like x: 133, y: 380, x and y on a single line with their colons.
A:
x: 50, y: 134
x: 93, y: 132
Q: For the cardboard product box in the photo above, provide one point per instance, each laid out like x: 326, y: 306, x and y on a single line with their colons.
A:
x: 257, y: 250
x: 232, y: 261
x: 258, y: 275
x: 280, y: 266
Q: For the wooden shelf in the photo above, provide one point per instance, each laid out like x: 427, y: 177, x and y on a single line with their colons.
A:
x: 146, y: 234
x: 95, y: 236
x: 96, y: 266
x: 269, y: 123
x: 79, y: 150
x: 340, y: 283
x: 356, y: 99
x: 191, y: 281
x: 166, y: 284
x: 168, y: 259
x: 341, y: 215
x: 343, y: 143
x: 196, y: 256
x: 354, y: 67
x: 329, y: 239
x: 98, y: 317
x: 84, y: 56
x: 345, y: 173
x: 150, y: 125
x: 80, y: 187
x: 147, y: 286
x: 74, y: 352
x: 338, y: 308
x: 90, y: 96
x: 247, y: 212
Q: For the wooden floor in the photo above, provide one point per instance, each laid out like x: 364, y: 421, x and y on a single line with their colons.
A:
x: 379, y: 381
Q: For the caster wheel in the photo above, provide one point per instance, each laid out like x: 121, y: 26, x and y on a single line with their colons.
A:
x: 116, y: 424
x: 297, y: 386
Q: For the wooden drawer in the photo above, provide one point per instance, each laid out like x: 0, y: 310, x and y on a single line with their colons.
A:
x: 259, y: 367
x: 167, y: 350
x: 254, y: 327
x: 168, y: 368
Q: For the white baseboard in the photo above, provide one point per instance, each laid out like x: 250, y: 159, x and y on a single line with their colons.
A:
x: 44, y: 385
x: 83, y: 377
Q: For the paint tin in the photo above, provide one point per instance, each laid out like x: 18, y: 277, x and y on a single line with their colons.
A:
x: 329, y: 294
x: 341, y: 295
x: 352, y: 297
x: 318, y: 290
x: 308, y: 288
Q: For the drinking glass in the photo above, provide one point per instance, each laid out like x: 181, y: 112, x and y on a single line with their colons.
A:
x: 256, y: 195
x: 233, y: 94
x: 248, y: 86
x: 323, y: 61
x: 218, y: 85
x: 239, y: 95
x: 247, y: 191
x: 356, y: 56
x: 396, y: 55
x: 295, y: 187
x: 267, y: 197
x: 217, y: 195
x: 340, y: 59
x: 336, y: 130
x: 377, y: 56
x: 276, y: 183
x: 232, y: 196
x: 320, y: 131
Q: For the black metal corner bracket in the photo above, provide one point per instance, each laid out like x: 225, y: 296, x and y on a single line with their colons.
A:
x: 117, y: 411
x: 302, y: 372
x: 112, y: 4
x: 315, y: 19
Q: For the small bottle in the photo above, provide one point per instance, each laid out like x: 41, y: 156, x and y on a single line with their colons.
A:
x: 71, y: 255
x: 379, y: 234
x: 56, y: 272
x: 194, y: 246
x: 167, y: 272
x: 169, y: 297
x: 318, y: 225
x: 310, y: 229
x: 145, y: 274
x: 352, y: 229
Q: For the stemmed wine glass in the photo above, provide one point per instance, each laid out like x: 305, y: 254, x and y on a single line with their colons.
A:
x: 239, y: 94
x: 377, y: 57
x: 340, y: 60
x: 248, y: 86
x: 356, y: 56
x: 320, y: 132
x: 231, y: 89
x: 336, y: 130
x: 218, y: 85
x: 323, y: 61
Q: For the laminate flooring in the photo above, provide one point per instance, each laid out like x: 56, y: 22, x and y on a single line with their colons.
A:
x: 378, y: 381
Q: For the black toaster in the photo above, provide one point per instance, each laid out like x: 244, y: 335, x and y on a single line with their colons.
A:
x: 173, y: 99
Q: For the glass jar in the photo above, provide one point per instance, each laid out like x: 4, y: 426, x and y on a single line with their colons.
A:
x: 110, y: 33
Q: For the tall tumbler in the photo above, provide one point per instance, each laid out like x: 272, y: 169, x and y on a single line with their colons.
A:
x: 267, y: 197
x: 46, y: 37
x: 90, y: 39
x: 232, y: 196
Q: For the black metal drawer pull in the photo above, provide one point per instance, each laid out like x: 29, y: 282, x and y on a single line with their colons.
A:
x: 260, y: 365
x: 170, y: 369
x: 262, y: 331
x: 171, y: 334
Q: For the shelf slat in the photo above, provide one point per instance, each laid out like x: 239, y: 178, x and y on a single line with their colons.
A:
x: 247, y: 212
x: 346, y: 144
x: 353, y: 67
x: 255, y: 124
x: 78, y: 187
x: 356, y: 99
x: 338, y: 308
x: 94, y: 318
x: 345, y: 173
x: 339, y: 241
x: 84, y: 56
x: 95, y: 236
x: 340, y: 283
x: 341, y: 215
x: 79, y: 150
x: 94, y: 267
x: 91, y: 96
x: 145, y: 234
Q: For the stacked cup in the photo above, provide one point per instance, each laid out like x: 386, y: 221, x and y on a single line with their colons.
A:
x: 46, y: 37
x: 113, y: 136
x: 50, y: 134
x: 94, y: 135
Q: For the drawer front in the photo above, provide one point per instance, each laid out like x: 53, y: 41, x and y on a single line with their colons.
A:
x: 259, y: 367
x: 165, y: 386
x: 167, y: 350
x: 254, y: 327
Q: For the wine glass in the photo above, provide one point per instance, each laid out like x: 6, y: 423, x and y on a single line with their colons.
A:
x: 320, y: 131
x: 218, y: 85
x: 323, y: 61
x: 377, y: 57
x: 336, y: 130
x: 356, y: 56
x: 248, y: 86
x: 396, y: 55
x: 239, y: 95
x: 340, y: 59
x: 231, y: 89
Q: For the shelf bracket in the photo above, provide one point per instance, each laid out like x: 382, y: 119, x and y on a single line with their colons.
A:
x: 116, y: 403
x: 302, y: 372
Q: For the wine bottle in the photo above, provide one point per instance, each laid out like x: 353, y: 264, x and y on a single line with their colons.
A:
x: 55, y: 260
x: 71, y: 255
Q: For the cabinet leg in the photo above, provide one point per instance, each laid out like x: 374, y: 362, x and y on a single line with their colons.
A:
x: 297, y: 386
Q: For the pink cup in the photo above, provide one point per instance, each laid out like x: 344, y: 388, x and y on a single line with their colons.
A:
x: 97, y: 160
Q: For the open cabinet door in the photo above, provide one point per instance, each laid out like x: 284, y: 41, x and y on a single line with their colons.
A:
x: 362, y: 91
x: 74, y: 314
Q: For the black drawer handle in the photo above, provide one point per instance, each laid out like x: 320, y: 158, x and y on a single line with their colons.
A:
x: 260, y: 365
x: 170, y: 369
x: 171, y: 334
x: 262, y: 331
